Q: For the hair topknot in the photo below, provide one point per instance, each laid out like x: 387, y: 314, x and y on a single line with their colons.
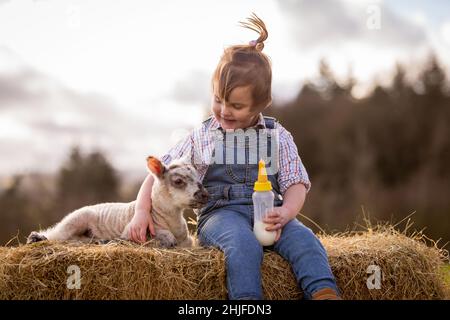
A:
x: 256, y: 24
x: 246, y: 65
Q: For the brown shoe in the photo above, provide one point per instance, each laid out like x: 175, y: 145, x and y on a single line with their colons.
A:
x: 326, y: 294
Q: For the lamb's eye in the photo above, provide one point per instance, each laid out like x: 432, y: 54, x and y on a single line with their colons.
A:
x: 178, y: 182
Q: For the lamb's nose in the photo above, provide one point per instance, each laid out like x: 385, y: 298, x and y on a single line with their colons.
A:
x: 201, y: 195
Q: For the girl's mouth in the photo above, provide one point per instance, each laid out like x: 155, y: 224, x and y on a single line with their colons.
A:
x: 228, y: 123
x: 227, y: 120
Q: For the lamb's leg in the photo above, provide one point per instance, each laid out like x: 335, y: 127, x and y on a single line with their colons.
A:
x: 35, y: 237
x: 165, y: 238
x: 75, y: 226
x: 126, y: 233
x: 187, y: 242
x: 108, y: 241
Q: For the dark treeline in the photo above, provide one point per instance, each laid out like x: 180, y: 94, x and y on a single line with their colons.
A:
x: 31, y: 201
x: 387, y: 154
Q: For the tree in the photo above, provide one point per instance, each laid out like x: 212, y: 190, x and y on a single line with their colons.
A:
x: 389, y: 151
x: 433, y: 78
x: 86, y: 180
x: 14, y: 209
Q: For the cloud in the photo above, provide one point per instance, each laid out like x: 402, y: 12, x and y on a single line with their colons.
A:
x: 41, y: 118
x: 45, y: 103
x: 337, y: 22
x: 18, y: 87
x: 194, y: 88
x: 445, y: 32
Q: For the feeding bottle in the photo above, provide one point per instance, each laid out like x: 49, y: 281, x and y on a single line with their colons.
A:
x: 263, y: 198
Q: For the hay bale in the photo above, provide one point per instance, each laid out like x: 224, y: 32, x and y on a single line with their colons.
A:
x: 410, y: 270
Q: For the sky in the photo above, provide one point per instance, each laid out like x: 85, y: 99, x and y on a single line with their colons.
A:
x: 131, y: 78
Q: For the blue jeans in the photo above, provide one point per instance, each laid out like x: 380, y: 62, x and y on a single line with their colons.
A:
x: 229, y: 228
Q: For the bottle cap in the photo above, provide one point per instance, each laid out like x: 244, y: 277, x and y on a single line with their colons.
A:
x: 262, y: 184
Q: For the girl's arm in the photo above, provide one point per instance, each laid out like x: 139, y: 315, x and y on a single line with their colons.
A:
x: 293, y: 200
x: 142, y: 218
x: 144, y: 197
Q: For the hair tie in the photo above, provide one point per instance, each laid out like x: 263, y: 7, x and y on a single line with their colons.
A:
x: 253, y: 43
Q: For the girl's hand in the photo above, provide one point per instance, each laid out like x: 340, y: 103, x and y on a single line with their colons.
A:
x: 141, y: 221
x: 278, y: 219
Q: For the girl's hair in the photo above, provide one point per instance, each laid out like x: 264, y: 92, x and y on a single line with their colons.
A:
x: 246, y: 65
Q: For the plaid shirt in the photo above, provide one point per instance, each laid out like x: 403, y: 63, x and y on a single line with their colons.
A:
x: 201, y: 143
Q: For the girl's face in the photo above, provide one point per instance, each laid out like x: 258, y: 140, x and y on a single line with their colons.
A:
x: 237, y: 113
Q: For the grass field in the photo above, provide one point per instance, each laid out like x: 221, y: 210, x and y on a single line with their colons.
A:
x: 446, y: 275
x: 446, y: 272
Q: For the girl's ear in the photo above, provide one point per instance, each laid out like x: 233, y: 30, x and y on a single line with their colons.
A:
x: 156, y: 167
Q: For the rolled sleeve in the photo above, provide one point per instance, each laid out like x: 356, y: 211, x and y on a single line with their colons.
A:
x: 292, y: 171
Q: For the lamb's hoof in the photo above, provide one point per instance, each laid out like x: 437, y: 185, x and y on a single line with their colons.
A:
x: 99, y: 241
x: 166, y: 239
x: 35, y: 237
x: 167, y: 243
x: 107, y: 241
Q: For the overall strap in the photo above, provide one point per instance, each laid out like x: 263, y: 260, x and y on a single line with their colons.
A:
x: 270, y: 122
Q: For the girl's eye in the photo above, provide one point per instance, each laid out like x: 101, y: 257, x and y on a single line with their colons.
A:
x: 217, y: 99
x: 237, y: 106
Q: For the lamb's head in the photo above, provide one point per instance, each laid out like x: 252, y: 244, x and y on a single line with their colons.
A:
x: 179, y: 182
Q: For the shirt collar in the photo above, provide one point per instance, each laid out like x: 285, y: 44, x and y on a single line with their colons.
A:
x: 260, y: 124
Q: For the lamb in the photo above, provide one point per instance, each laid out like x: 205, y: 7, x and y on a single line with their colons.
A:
x: 176, y: 187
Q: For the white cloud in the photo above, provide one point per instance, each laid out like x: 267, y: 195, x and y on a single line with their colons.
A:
x: 43, y: 122
x: 445, y: 32
x: 10, y: 61
x: 337, y: 30
x: 419, y: 18
x: 337, y: 22
x: 195, y: 87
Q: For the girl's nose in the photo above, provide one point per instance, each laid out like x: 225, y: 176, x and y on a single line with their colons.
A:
x: 225, y: 111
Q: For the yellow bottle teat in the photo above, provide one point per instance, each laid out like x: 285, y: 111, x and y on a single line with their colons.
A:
x: 262, y: 184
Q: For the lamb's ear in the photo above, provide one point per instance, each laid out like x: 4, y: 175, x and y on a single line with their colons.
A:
x: 155, y: 166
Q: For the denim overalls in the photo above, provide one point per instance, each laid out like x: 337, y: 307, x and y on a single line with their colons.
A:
x: 226, y: 222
